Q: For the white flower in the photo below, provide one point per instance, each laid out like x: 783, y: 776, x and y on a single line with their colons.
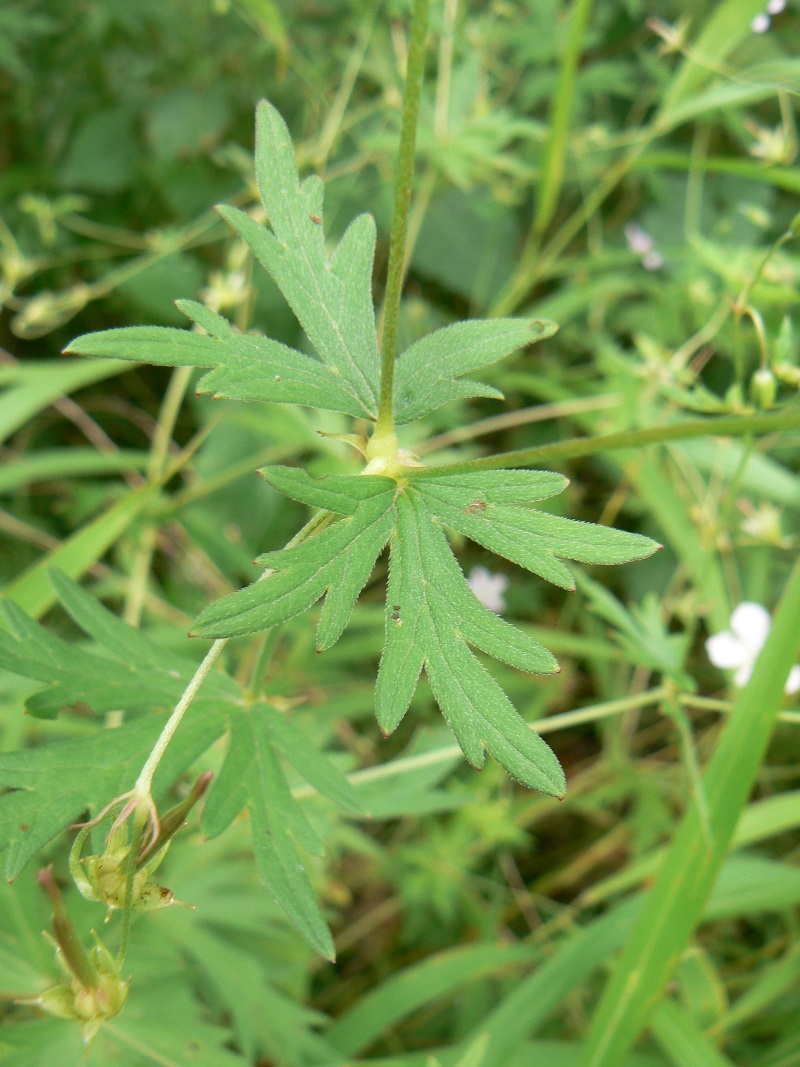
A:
x: 488, y: 588
x: 774, y: 7
x: 760, y: 23
x: 652, y: 260
x: 739, y: 647
x: 639, y: 241
x: 642, y: 244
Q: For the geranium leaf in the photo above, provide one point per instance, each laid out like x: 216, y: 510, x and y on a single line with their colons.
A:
x: 339, y: 558
x: 429, y: 372
x: 433, y: 619
x: 252, y: 777
x: 532, y: 539
x: 426, y: 626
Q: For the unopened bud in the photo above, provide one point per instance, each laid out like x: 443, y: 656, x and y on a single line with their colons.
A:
x: 763, y: 387
x: 94, y: 990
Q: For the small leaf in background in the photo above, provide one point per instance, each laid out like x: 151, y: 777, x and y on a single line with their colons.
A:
x: 641, y: 632
x: 102, y: 153
x: 252, y: 777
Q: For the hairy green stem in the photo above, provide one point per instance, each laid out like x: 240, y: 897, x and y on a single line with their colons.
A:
x: 723, y: 426
x: 402, y: 199
x: 144, y: 782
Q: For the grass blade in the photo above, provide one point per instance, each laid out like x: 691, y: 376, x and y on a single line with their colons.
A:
x: 674, y: 906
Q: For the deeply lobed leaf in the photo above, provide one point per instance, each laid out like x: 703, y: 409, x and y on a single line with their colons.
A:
x: 432, y: 617
x: 252, y: 777
x: 331, y: 296
x: 429, y: 372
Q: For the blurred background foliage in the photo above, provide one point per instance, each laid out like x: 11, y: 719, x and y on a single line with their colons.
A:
x: 625, y: 171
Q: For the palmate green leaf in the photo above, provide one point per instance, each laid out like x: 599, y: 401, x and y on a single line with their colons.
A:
x: 246, y: 366
x: 339, y: 559
x: 331, y: 296
x: 432, y: 616
x: 429, y: 372
x: 127, y: 672
x: 252, y: 777
x: 433, y: 619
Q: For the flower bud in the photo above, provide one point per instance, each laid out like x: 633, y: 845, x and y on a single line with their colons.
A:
x: 95, y: 990
x: 763, y: 387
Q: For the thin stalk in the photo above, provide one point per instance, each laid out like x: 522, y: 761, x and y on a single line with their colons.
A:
x: 446, y: 43
x: 402, y: 198
x: 144, y: 783
x: 723, y: 426
x: 159, y: 455
x: 558, y: 409
x: 563, y: 96
x: 593, y: 713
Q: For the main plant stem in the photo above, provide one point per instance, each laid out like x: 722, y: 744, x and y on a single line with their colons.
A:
x: 415, y: 70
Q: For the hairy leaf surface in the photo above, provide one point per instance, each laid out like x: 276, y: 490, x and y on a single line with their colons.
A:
x: 337, y: 561
x: 429, y: 372
x: 532, y: 539
x: 433, y: 620
x: 432, y: 617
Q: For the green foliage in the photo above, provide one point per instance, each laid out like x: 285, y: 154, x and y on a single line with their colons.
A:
x: 333, y: 304
x: 51, y: 786
x: 635, y: 184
